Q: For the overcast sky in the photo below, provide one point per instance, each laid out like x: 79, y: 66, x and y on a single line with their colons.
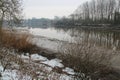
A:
x: 50, y: 8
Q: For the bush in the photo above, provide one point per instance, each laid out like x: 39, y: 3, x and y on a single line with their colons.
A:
x: 86, y: 59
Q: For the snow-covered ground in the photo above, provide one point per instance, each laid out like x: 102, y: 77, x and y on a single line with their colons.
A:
x: 13, y: 75
x: 50, y: 63
x: 43, y: 67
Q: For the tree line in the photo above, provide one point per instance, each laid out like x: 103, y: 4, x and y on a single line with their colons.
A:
x: 94, y: 12
x: 37, y: 23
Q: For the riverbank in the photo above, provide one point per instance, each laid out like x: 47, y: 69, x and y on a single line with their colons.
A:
x: 48, y: 64
x: 34, y: 66
x: 18, y: 60
x: 69, y: 60
x: 73, y: 59
x: 102, y: 27
x: 90, y: 26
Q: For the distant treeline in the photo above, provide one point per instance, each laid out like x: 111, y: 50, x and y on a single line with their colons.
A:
x: 37, y: 23
x: 94, y: 12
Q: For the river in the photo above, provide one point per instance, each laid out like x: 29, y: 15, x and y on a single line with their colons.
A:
x: 103, y: 38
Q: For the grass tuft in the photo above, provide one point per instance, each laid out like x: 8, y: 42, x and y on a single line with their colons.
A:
x: 20, y: 42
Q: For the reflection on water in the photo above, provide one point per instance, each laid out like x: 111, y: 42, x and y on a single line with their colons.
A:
x: 104, y: 38
x: 51, y: 33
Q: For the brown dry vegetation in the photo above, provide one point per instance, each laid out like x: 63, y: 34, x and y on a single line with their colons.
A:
x: 28, y: 67
x: 8, y: 61
x: 90, y: 60
x: 20, y: 42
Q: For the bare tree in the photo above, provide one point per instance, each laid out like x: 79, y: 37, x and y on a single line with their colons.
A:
x: 10, y: 11
x: 97, y: 12
x: 100, y: 11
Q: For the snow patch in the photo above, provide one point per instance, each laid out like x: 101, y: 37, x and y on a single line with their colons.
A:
x: 25, y: 57
x: 48, y: 69
x: 66, y: 77
x: 38, y: 57
x: 13, y: 75
x: 54, y: 63
x: 69, y: 71
x: 1, y: 68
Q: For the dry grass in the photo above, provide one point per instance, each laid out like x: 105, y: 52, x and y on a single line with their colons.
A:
x: 8, y: 61
x: 20, y: 42
x: 86, y: 59
x: 35, y: 70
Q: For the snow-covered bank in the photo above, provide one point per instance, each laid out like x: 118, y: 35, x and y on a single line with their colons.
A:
x: 40, y: 65
x: 13, y: 75
x: 34, y: 67
x: 53, y: 63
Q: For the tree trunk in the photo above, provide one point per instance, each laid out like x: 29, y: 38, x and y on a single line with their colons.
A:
x: 1, y: 30
x: 1, y: 25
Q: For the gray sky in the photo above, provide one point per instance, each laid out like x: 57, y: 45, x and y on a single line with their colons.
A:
x: 50, y: 8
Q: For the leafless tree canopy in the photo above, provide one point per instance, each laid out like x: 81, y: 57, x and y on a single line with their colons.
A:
x: 99, y: 11
x: 10, y: 11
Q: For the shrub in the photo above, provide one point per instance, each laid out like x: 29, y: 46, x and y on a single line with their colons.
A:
x: 86, y: 59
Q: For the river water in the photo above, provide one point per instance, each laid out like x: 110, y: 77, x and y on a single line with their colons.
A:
x: 104, y: 38
x: 52, y: 39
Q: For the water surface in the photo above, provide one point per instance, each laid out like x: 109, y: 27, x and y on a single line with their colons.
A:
x: 105, y: 38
